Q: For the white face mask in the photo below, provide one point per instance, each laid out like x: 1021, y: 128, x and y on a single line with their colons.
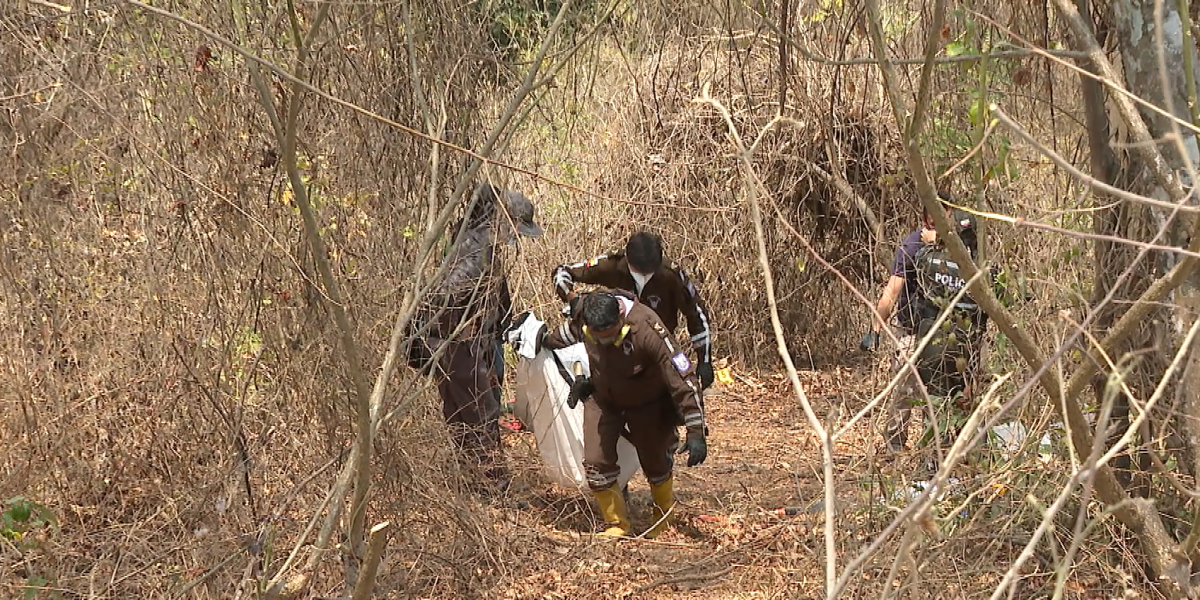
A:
x: 640, y: 280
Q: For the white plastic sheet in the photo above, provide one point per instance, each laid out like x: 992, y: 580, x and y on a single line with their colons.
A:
x: 541, y: 404
x: 1010, y: 436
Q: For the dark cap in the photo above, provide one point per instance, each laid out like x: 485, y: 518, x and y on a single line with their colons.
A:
x: 521, y: 210
x: 963, y: 220
x: 964, y: 224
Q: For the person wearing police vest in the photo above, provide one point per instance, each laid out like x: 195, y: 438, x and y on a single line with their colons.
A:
x: 657, y: 283
x: 641, y: 381
x: 903, y: 299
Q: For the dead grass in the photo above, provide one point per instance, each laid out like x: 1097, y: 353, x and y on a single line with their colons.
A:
x: 726, y: 546
x: 163, y: 327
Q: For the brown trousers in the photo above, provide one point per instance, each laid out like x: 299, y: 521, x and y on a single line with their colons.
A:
x: 652, y: 430
x: 469, y: 403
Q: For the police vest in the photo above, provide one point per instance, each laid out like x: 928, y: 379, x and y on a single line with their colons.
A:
x: 951, y: 346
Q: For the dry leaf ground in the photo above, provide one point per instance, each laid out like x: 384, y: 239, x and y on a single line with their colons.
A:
x: 763, y: 456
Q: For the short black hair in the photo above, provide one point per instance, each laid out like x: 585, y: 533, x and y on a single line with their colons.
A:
x: 601, y: 311
x: 944, y: 198
x: 644, y: 252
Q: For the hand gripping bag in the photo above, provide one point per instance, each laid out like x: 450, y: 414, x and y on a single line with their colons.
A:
x: 543, y: 382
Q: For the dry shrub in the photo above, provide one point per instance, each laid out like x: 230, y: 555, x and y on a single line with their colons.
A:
x: 173, y: 386
x: 168, y: 348
x: 667, y: 164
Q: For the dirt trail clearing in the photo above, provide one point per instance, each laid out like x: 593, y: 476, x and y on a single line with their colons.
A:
x: 763, y: 456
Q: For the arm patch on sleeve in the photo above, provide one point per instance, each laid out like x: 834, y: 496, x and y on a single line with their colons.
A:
x: 681, y: 362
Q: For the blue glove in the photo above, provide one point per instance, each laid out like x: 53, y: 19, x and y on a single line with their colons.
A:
x: 870, y: 341
x: 695, y: 446
x: 580, y: 390
x: 704, y: 371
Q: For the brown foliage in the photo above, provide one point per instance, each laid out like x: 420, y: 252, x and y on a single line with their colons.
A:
x: 170, y: 382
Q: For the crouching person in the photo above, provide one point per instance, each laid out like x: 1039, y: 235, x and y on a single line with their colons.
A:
x: 639, y: 381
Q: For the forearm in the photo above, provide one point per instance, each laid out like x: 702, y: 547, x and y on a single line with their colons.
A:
x: 884, y: 307
x: 693, y: 416
x: 685, y: 392
x: 701, y: 336
x: 887, y: 301
x: 560, y: 337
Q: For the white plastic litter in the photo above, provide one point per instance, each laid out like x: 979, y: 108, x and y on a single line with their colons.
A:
x: 952, y: 486
x: 541, y: 404
x: 1012, y: 435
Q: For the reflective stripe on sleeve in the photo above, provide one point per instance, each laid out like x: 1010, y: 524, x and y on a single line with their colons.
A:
x: 563, y: 279
x: 564, y: 332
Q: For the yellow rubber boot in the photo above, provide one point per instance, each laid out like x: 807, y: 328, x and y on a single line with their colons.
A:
x: 664, y: 500
x: 612, y: 508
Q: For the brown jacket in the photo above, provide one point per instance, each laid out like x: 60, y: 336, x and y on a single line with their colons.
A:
x: 668, y: 293
x: 645, y: 367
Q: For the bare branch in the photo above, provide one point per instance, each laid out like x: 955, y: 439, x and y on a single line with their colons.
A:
x: 478, y: 156
x: 1144, y: 145
x: 366, y: 583
x: 1143, y: 520
x: 932, y: 43
x: 752, y: 187
x: 1092, y: 182
x: 1111, y: 84
x: 20, y: 95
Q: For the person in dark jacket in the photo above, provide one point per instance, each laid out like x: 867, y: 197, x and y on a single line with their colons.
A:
x: 642, y: 270
x: 474, y: 304
x: 638, y: 380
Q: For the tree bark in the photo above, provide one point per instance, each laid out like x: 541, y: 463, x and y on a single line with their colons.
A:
x: 1162, y: 80
x: 1153, y: 48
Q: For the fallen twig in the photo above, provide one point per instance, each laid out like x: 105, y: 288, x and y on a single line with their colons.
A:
x: 686, y: 578
x: 786, y: 511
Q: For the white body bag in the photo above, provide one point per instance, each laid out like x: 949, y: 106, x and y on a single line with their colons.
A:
x: 542, y: 386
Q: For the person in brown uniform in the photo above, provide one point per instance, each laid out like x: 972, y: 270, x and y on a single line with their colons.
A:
x: 639, y: 380
x: 473, y: 305
x: 642, y: 270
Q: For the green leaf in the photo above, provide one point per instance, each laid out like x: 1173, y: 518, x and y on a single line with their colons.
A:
x: 976, y: 113
x: 956, y: 48
x: 21, y: 512
x: 34, y: 585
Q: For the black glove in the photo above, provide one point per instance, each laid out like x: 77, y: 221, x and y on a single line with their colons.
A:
x: 870, y: 341
x: 704, y: 371
x: 571, y: 308
x: 695, y: 446
x: 540, y: 339
x: 580, y: 390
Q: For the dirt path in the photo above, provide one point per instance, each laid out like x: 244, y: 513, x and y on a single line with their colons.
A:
x: 762, y: 456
